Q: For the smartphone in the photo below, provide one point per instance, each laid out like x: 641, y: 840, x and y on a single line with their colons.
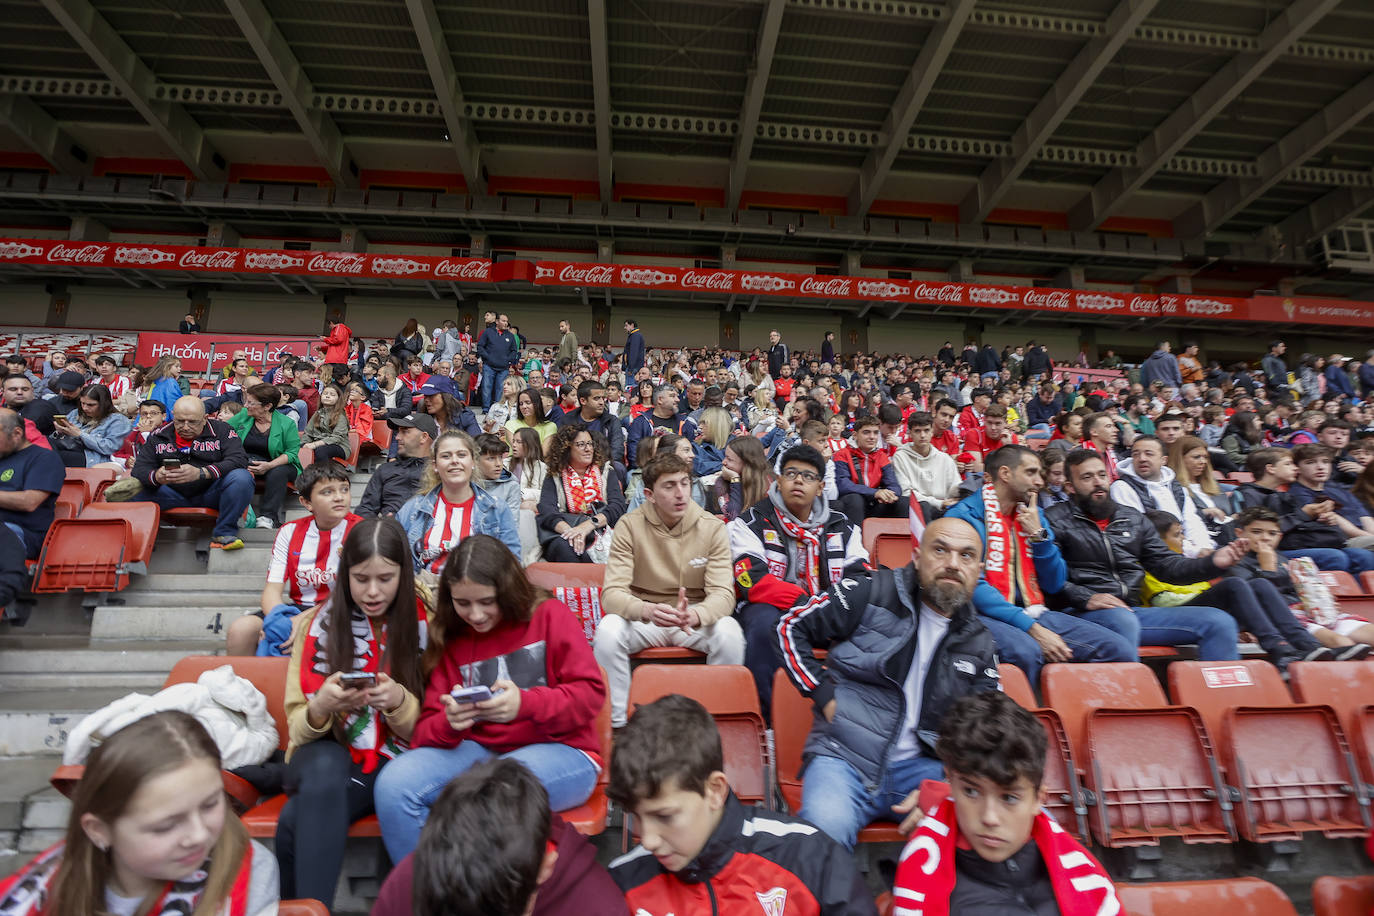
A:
x: 172, y: 463
x: 352, y: 680
x: 478, y: 693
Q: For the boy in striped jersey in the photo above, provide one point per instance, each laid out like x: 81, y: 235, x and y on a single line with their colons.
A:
x: 305, y: 560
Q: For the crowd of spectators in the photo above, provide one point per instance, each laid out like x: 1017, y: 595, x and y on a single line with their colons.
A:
x: 1059, y: 518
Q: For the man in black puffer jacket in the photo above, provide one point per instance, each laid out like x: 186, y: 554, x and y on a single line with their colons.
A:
x: 1109, y: 548
x: 904, y: 644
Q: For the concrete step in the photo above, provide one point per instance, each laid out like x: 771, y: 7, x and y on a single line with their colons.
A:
x: 58, y: 662
x: 35, y: 723
x: 21, y: 778
x: 253, y: 559
x: 190, y: 583
x: 46, y: 809
x: 199, y: 623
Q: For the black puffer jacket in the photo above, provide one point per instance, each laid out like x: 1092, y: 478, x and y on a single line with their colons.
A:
x: 1115, y: 561
x: 869, y: 624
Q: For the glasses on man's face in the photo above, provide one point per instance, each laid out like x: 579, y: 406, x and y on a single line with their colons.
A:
x: 796, y: 474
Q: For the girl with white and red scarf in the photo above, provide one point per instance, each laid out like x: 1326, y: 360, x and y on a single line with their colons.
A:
x: 984, y: 845
x: 353, y: 689
x: 162, y: 770
x: 581, y: 499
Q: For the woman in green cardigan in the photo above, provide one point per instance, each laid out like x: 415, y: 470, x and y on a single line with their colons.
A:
x: 273, y: 442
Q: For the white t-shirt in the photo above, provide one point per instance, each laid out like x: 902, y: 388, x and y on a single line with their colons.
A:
x: 931, y: 628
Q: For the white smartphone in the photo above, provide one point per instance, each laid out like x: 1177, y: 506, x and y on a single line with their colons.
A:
x: 478, y: 693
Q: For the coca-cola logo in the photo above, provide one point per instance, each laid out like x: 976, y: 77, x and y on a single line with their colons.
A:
x: 881, y: 289
x: 831, y: 287
x: 995, y: 295
x: 472, y: 269
x: 939, y: 292
x: 646, y: 276
x: 224, y: 259
x: 1144, y: 305
x: 716, y: 280
x: 144, y: 256
x: 1207, y: 307
x: 335, y: 263
x: 592, y: 275
x: 1169, y: 304
x: 77, y: 254
x: 1097, y: 302
x: 766, y: 283
x: 1047, y: 298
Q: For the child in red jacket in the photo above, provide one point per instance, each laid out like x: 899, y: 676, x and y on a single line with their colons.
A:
x: 492, y: 628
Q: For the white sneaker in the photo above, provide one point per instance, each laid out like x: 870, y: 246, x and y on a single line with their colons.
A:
x: 264, y: 522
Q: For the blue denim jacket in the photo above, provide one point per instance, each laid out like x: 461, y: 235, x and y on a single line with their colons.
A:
x: 105, y: 438
x: 489, y: 516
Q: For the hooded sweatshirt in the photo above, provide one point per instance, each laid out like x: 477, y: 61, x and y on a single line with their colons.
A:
x: 1166, y: 494
x: 934, y: 478
x: 649, y: 561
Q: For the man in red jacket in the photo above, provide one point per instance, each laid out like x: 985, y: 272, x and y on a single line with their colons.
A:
x: 491, y: 846
x: 336, y: 345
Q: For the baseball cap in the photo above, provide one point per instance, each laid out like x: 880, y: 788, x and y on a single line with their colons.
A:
x: 421, y: 421
x: 71, y: 381
x: 437, y: 384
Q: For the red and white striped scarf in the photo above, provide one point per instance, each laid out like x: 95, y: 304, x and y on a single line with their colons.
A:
x: 808, y: 553
x: 1008, y: 566
x: 583, y: 490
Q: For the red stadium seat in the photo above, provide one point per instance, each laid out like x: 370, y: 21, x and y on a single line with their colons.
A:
x: 83, y: 555
x: 589, y: 818
x: 1214, y: 687
x: 143, y: 521
x: 1063, y: 794
x: 191, y: 516
x: 381, y: 436
x: 302, y: 908
x: 91, y: 477
x: 1150, y: 765
x: 792, y: 717
x: 1333, y: 896
x: 1232, y: 896
x: 74, y: 495
x: 1348, y: 688
x: 888, y: 541
x: 1342, y: 584
x: 728, y: 693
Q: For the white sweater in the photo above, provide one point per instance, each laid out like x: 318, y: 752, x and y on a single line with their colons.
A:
x: 934, y: 478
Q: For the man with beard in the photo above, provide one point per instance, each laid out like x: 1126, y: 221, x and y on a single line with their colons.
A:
x: 1109, y: 548
x: 904, y: 644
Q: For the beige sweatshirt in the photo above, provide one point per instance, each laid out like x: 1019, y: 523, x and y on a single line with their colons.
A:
x: 935, y: 477
x: 649, y: 561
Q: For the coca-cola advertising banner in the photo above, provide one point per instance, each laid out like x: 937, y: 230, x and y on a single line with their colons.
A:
x: 197, y: 351
x: 127, y: 256
x: 874, y: 289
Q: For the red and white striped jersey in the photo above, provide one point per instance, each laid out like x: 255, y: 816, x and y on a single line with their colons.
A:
x: 452, y: 523
x: 306, y: 559
x: 119, y: 386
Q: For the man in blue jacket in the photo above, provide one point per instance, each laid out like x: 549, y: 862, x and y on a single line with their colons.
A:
x: 499, y: 350
x: 634, y: 348
x: 1022, y: 564
x: 1161, y: 366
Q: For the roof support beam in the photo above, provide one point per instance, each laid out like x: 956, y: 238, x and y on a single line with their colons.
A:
x: 1275, y: 163
x: 907, y: 105
x: 40, y: 133
x: 754, y: 88
x: 135, y: 83
x: 273, y: 51
x: 1116, y: 187
x: 999, y: 176
x: 601, y: 96
x: 1323, y: 215
x: 439, y: 61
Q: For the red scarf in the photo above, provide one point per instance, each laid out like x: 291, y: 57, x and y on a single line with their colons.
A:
x: 583, y: 490
x: 1008, y: 566
x: 808, y: 553
x: 926, y: 874
x: 27, y: 891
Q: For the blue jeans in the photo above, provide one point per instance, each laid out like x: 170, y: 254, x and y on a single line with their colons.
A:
x: 492, y: 380
x: 1212, y: 630
x: 410, y: 784
x: 229, y: 495
x: 1353, y: 560
x: 835, y: 799
x: 1089, y: 641
x: 1258, y: 607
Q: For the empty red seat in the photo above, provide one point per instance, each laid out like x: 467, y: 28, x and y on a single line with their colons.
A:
x: 888, y: 541
x: 381, y: 436
x: 143, y: 519
x: 1232, y: 896
x: 1150, y: 765
x: 1348, y: 688
x: 1016, y: 685
x: 1335, y: 896
x: 1342, y: 584
x: 792, y: 718
x: 729, y: 694
x: 302, y: 908
x: 191, y: 515
x: 73, y: 496
x: 1063, y: 796
x: 84, y: 555
x: 92, y: 478
x: 1214, y: 687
